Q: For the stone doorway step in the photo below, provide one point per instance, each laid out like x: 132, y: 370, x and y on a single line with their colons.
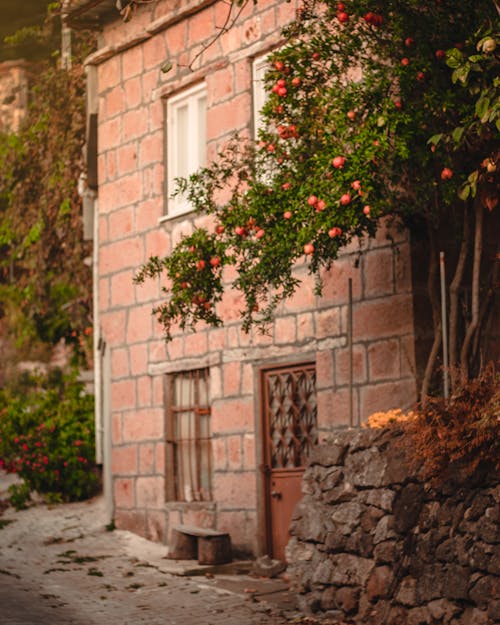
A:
x: 235, y: 578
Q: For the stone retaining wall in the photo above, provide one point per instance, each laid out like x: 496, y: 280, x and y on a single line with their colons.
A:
x: 372, y: 544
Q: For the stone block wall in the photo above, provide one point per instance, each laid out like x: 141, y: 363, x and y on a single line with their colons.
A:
x: 373, y: 544
x: 133, y: 225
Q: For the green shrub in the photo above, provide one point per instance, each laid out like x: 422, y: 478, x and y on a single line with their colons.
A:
x: 47, y: 436
x: 19, y: 495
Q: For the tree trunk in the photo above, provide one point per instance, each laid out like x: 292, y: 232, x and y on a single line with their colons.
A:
x: 476, y: 274
x: 436, y: 316
x: 454, y: 301
x: 484, y: 326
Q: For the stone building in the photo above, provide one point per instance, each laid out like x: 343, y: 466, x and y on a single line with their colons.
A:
x: 212, y: 428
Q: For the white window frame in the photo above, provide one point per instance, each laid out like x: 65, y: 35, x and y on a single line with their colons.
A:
x: 259, y: 67
x: 194, y: 140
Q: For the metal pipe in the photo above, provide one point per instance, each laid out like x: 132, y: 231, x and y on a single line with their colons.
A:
x: 349, y: 347
x: 107, y: 442
x: 65, y: 47
x: 444, y: 325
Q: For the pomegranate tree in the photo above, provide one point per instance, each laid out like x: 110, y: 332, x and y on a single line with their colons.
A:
x: 375, y: 109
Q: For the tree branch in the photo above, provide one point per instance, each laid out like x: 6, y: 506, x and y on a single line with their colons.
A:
x: 478, y: 248
x: 228, y: 24
x: 454, y: 290
x: 436, y: 317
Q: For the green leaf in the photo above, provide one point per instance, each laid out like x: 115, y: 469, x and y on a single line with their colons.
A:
x: 65, y: 207
x: 472, y: 182
x: 464, y: 191
x: 461, y: 73
x: 454, y: 58
x: 435, y: 139
x: 34, y: 234
x: 458, y: 133
x: 472, y: 178
x: 482, y: 109
x: 166, y: 67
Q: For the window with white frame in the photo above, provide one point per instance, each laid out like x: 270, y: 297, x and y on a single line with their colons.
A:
x: 186, y: 129
x: 259, y: 68
x: 189, y: 441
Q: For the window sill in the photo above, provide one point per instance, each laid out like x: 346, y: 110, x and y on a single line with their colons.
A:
x: 177, y: 217
x: 190, y: 505
x: 184, y: 364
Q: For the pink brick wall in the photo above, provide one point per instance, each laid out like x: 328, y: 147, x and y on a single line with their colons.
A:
x: 131, y: 140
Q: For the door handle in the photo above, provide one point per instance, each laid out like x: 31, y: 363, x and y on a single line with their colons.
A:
x: 276, y: 494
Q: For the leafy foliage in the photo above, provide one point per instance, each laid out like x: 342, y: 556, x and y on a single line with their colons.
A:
x: 47, y: 436
x: 19, y: 495
x: 29, y: 31
x: 45, y: 288
x: 379, y: 420
x: 364, y: 120
x: 476, y: 70
x: 459, y: 438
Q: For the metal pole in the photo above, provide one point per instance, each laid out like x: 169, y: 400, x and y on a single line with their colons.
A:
x: 444, y: 327
x: 65, y: 47
x: 349, y: 347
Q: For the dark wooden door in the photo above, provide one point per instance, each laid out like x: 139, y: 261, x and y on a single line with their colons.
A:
x: 290, y: 430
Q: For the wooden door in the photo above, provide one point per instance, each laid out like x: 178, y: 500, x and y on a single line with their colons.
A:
x: 289, y: 418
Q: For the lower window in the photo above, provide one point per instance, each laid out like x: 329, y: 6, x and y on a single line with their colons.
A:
x: 189, y: 449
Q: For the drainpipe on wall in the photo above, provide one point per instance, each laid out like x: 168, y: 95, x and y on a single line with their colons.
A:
x: 101, y: 354
x: 351, y: 357
x: 99, y: 428
x: 106, y: 417
x: 102, y: 379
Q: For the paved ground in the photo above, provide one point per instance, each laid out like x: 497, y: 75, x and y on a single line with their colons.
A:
x: 60, y: 566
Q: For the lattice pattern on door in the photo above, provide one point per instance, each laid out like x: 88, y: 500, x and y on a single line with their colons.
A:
x: 292, y: 415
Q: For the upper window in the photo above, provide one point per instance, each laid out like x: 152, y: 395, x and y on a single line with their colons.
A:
x: 259, y: 68
x: 189, y: 455
x: 186, y: 141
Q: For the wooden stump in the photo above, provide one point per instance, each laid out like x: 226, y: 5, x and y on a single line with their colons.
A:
x: 214, y: 549
x: 183, y: 546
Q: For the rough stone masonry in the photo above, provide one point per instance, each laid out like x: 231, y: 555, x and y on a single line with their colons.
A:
x: 372, y: 543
